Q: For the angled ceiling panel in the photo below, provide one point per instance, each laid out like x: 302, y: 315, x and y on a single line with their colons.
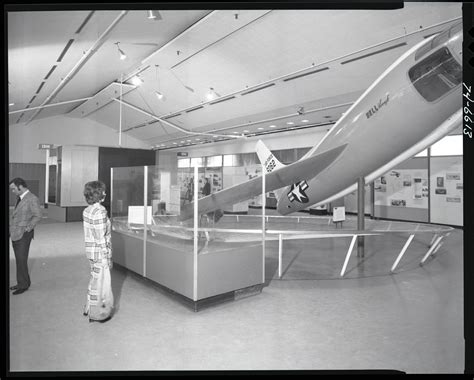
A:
x: 101, y: 99
x: 35, y: 42
x: 139, y: 37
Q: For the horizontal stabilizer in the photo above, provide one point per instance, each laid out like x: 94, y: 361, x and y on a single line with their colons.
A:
x: 285, y: 176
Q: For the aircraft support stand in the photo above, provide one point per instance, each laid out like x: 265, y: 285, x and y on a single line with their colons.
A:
x: 360, y: 214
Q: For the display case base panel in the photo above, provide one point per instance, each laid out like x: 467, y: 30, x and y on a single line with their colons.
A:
x: 204, y: 303
x: 222, y: 267
x: 128, y: 251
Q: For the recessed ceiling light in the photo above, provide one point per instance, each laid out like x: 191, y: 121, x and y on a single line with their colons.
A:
x: 136, y: 80
x: 11, y: 104
x: 246, y: 131
x: 188, y: 140
x: 235, y: 132
x: 181, y: 142
x: 272, y: 126
x: 260, y: 128
x: 304, y: 121
x: 175, y: 143
x: 290, y: 123
x: 214, y: 136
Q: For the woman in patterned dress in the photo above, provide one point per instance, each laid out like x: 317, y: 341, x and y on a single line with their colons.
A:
x: 97, y: 227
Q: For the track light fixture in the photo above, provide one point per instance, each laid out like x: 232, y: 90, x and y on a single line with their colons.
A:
x: 153, y: 15
x: 136, y: 80
x: 212, y: 94
x: 158, y: 94
x: 121, y: 53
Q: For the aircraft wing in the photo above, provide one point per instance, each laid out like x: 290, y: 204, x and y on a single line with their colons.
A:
x: 293, y: 173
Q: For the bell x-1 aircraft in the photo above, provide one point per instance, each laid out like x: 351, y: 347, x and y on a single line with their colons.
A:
x: 414, y: 103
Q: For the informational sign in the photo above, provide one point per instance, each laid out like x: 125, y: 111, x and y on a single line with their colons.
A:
x: 339, y: 214
x: 135, y: 214
x: 45, y: 146
x: 182, y: 154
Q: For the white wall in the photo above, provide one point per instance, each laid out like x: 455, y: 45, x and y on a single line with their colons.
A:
x: 62, y: 130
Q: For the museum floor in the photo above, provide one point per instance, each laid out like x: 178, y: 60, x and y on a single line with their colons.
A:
x: 310, y: 319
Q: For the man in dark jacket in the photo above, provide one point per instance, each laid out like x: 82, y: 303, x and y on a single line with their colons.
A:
x: 25, y: 216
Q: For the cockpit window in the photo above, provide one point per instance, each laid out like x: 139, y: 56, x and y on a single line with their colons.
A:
x: 436, y: 75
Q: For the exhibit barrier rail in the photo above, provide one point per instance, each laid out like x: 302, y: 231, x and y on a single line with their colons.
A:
x: 439, y: 233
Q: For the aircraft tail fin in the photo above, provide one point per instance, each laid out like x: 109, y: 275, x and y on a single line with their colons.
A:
x: 269, y: 161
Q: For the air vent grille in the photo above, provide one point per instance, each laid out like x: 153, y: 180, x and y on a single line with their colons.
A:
x: 85, y: 22
x: 223, y: 100
x: 305, y: 74
x: 171, y: 116
x: 50, y: 72
x: 194, y: 109
x: 258, y: 89
x: 373, y: 53
x: 40, y: 87
x: 68, y: 45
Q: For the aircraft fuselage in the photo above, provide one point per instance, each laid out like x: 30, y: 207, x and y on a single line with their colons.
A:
x: 414, y: 96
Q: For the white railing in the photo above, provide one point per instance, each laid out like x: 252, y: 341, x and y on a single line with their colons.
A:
x: 440, y: 232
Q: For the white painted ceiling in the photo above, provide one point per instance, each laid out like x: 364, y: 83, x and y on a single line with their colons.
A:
x: 255, y: 60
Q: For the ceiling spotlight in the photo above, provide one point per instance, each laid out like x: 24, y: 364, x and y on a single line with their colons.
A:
x: 246, y: 131
x: 272, y: 126
x: 136, y: 80
x: 290, y: 123
x: 153, y: 15
x: 212, y: 94
x: 11, y: 104
x: 121, y: 53
x: 260, y: 128
x: 304, y: 121
x: 158, y: 94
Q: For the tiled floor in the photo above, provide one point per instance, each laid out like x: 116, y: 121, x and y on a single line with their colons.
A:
x: 309, y: 319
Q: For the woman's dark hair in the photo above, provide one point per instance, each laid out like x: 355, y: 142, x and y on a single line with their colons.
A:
x: 94, y: 191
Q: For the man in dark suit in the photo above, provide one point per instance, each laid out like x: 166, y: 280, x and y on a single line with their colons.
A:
x: 25, y: 216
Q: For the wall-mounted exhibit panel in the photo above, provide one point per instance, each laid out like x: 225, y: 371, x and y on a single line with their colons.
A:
x: 402, y: 193
x: 446, y: 190
x: 197, y: 258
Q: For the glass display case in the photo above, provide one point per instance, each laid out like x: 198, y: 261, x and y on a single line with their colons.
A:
x: 157, y: 233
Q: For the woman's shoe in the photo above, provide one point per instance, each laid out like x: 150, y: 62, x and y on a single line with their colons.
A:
x: 100, y: 320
